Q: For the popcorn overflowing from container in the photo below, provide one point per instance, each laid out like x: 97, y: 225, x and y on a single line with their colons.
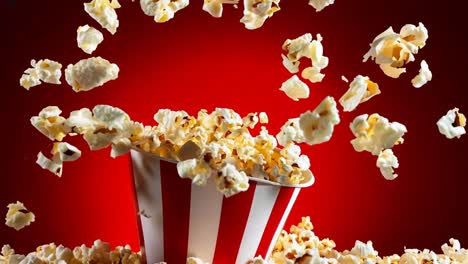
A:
x: 218, y: 147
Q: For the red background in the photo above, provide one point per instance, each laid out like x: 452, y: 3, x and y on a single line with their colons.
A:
x: 196, y: 61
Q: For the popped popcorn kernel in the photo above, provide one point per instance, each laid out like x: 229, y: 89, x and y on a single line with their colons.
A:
x: 295, y: 88
x: 18, y: 217
x: 193, y: 260
x: 215, y: 7
x: 50, y: 123
x: 61, y: 152
x: 319, y: 5
x: 256, y: 12
x: 452, y: 125
x: 162, y: 10
x: 263, y: 117
x: 103, y: 11
x: 88, y: 74
x: 360, y: 90
x: 88, y: 38
x: 386, y: 162
x: 46, y: 70
x: 424, y: 76
x: 196, y: 170
x: 230, y: 181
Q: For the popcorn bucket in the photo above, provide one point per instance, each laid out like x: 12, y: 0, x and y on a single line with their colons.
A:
x: 179, y: 220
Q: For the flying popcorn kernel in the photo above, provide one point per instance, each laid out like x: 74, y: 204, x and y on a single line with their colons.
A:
x: 256, y: 12
x: 103, y: 11
x: 393, y: 50
x: 452, y: 124
x: 317, y: 126
x: 162, y: 10
x: 215, y: 7
x: 61, y: 152
x: 360, y: 90
x: 230, y: 181
x: 344, y: 79
x: 319, y: 5
x: 263, y: 117
x: 88, y: 38
x: 375, y: 133
x: 386, y: 162
x: 295, y: 88
x: 49, y: 164
x: 196, y: 170
x: 18, y: 216
x: 424, y: 76
x: 46, y: 70
x: 50, y: 123
x: 290, y: 132
x: 90, y: 73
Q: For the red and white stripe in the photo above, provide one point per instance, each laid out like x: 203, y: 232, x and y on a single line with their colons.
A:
x: 191, y: 221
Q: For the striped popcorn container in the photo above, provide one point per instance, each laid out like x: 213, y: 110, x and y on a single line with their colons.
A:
x: 179, y: 220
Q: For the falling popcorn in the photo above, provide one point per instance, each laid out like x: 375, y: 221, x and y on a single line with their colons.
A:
x: 215, y: 7
x: 319, y: 5
x: 18, y: 216
x: 50, y: 123
x: 162, y: 10
x: 452, y: 124
x: 46, y: 70
x: 295, y: 88
x: 88, y: 38
x: 256, y: 12
x: 60, y: 152
x: 424, y: 76
x: 263, y: 118
x: 386, y: 162
x: 360, y: 90
x: 90, y: 73
x: 103, y: 11
x: 392, y: 51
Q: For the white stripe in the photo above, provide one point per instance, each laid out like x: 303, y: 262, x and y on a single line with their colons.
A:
x: 147, y: 173
x: 262, y: 205
x: 205, y: 214
x: 282, y: 221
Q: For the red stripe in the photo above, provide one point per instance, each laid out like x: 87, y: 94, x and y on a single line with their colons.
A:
x: 234, y: 215
x: 176, y: 213
x: 284, y: 196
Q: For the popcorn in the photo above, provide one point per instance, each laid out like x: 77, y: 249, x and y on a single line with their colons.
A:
x: 263, y: 118
x: 304, y: 46
x: 424, y: 76
x: 295, y: 88
x: 386, y: 162
x: 50, y: 165
x: 18, y: 217
x: 364, y: 250
x: 256, y: 12
x: 90, y: 73
x: 375, y: 133
x: 230, y: 181
x: 103, y: 11
x: 290, y: 132
x: 452, y: 124
x: 319, y: 5
x: 46, y: 70
x: 344, y: 79
x: 317, y: 126
x: 162, y: 10
x: 193, y: 260
x: 393, y: 50
x: 61, y: 152
x: 50, y: 123
x: 88, y: 38
x: 196, y: 170
x: 215, y: 7
x: 360, y: 90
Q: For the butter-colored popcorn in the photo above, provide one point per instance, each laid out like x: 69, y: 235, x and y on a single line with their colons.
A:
x: 393, y: 50
x: 256, y: 12
x: 386, y: 162
x: 250, y: 120
x: 319, y: 5
x: 90, y: 73
x: 317, y: 126
x: 50, y: 123
x: 197, y: 170
x: 313, y: 74
x: 103, y: 11
x: 424, y: 76
x: 215, y: 7
x: 162, y: 10
x: 364, y: 250
x: 263, y: 118
x: 452, y: 124
x: 455, y: 252
x: 295, y: 89
x: 18, y: 216
x: 46, y: 70
x: 230, y: 181
x: 375, y: 133
x: 193, y: 260
x: 88, y: 38
x: 360, y: 90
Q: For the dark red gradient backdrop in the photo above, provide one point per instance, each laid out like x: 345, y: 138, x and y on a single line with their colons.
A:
x: 196, y: 61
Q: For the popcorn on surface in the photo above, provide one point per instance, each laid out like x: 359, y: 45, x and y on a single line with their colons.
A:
x: 319, y: 5
x: 45, y: 70
x: 386, y: 162
x: 215, y: 7
x: 88, y: 38
x: 162, y: 10
x: 295, y: 89
x: 360, y: 90
x: 17, y: 217
x: 256, y: 12
x: 424, y: 76
x: 103, y: 11
x: 452, y: 124
x: 88, y: 74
